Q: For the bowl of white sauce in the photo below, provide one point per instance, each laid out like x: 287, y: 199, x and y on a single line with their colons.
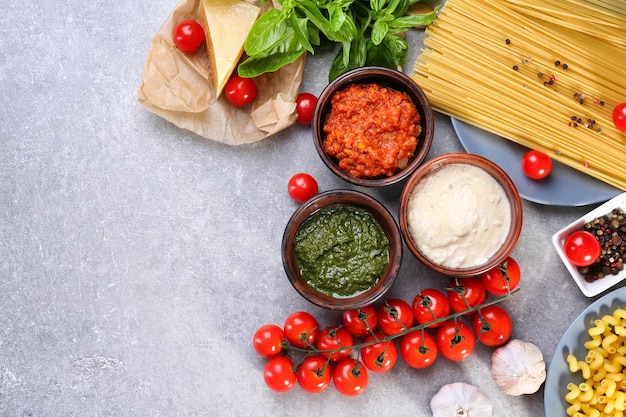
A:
x: 460, y: 214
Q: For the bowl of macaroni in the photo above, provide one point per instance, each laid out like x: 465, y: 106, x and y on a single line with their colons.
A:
x: 588, y: 360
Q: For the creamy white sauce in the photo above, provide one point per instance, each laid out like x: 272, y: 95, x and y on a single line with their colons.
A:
x: 458, y: 216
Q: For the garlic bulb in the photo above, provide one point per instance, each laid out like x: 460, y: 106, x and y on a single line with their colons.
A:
x: 518, y: 367
x: 460, y: 400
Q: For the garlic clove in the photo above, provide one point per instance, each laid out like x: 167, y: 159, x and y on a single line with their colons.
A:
x: 460, y: 400
x: 518, y: 367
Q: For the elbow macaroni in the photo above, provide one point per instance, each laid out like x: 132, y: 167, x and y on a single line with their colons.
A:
x: 603, y: 392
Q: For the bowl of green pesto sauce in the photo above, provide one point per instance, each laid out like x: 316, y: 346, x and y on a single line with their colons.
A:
x: 342, y: 249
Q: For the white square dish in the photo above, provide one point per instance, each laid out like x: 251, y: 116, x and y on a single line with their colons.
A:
x: 590, y: 289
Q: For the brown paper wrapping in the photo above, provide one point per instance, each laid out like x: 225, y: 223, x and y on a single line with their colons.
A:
x: 177, y: 87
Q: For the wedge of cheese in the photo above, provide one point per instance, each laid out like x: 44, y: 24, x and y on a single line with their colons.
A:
x: 226, y: 25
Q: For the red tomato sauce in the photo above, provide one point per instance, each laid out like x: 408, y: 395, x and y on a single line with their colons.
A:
x: 371, y: 130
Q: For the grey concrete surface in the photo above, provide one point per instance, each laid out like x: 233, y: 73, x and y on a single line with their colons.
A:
x: 137, y: 259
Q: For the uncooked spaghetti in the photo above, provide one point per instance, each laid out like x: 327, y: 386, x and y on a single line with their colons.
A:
x: 543, y: 73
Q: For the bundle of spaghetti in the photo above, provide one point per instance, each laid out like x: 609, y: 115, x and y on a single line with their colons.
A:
x: 614, y: 5
x: 542, y: 80
x: 608, y: 22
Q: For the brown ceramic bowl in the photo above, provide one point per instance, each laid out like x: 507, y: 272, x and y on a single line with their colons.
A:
x: 389, y: 78
x: 454, y: 217
x: 351, y: 198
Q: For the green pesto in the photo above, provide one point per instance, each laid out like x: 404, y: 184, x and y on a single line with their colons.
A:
x: 341, y: 250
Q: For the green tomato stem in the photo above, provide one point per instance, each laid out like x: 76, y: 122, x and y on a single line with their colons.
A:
x: 453, y: 316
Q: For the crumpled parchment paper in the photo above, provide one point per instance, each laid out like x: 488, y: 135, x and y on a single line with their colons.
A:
x: 177, y: 86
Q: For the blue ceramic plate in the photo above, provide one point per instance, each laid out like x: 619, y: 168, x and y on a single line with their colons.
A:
x: 572, y: 342
x: 564, y: 186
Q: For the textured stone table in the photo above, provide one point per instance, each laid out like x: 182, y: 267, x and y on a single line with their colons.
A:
x: 137, y: 259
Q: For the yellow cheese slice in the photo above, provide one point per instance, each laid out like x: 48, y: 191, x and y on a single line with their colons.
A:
x: 226, y: 25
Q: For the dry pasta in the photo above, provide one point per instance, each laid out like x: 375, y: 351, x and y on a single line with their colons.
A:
x: 603, y: 390
x: 543, y: 73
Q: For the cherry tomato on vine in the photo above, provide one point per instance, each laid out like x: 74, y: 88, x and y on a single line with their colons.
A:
x: 466, y: 292
x: 314, y: 374
x: 582, y: 248
x: 350, y: 377
x: 267, y: 340
x: 418, y: 349
x: 334, y: 337
x: 188, y: 35
x: 492, y: 326
x: 301, y: 187
x: 381, y: 356
x: 301, y: 329
x: 455, y: 340
x: 394, y: 315
x: 536, y: 164
x: 502, y: 279
x: 305, y: 107
x: 279, y: 374
x: 240, y: 91
x: 360, y: 322
x: 430, y: 304
x: 619, y: 117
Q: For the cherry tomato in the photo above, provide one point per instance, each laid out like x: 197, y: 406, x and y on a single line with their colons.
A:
x: 301, y: 329
x: 301, y: 187
x: 502, y: 279
x: 455, y: 340
x: 240, y: 91
x: 332, y: 338
x: 394, y: 316
x: 430, y: 304
x: 619, y: 117
x: 350, y: 377
x: 360, y: 322
x: 314, y: 374
x: 379, y: 357
x: 466, y: 292
x: 267, y: 340
x: 536, y: 165
x: 492, y: 326
x: 418, y: 349
x: 582, y: 248
x: 188, y: 35
x: 279, y: 374
x: 305, y: 107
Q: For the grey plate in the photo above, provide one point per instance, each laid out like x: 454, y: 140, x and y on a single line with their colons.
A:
x: 572, y: 342
x: 564, y: 186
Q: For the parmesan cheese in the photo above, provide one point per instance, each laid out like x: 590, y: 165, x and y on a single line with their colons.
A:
x: 226, y: 26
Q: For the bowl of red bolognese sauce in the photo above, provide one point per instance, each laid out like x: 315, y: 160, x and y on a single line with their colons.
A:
x: 373, y: 126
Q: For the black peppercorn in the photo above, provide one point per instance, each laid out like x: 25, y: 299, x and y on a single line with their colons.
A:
x: 610, y: 231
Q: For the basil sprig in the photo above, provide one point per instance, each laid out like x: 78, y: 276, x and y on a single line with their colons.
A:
x: 369, y: 32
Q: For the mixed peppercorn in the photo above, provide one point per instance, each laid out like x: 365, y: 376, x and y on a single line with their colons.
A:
x: 610, y: 230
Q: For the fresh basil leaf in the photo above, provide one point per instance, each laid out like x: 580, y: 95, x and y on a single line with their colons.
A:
x: 390, y: 53
x: 406, y: 22
x: 379, y: 31
x: 392, y: 6
x: 345, y: 34
x: 314, y: 34
x: 336, y: 16
x: 268, y: 30
x: 355, y: 52
x: 314, y: 14
x: 402, y: 8
x: 255, y: 66
x: 299, y: 26
x: 377, y: 5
